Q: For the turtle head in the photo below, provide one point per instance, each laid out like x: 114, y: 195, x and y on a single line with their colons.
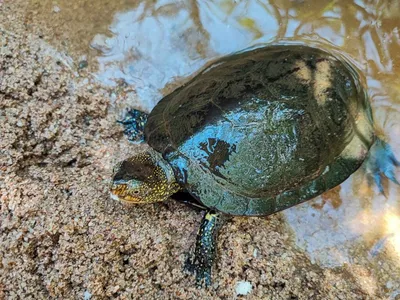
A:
x: 143, y: 178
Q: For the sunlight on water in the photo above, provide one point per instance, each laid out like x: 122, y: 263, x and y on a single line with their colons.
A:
x: 392, y: 230
x: 151, y: 47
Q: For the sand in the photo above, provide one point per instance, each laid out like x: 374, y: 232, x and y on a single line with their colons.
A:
x: 62, y: 237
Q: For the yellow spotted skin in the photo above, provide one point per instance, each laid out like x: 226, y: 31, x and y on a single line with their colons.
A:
x: 143, y: 178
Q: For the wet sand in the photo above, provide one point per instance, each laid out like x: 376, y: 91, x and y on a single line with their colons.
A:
x: 62, y: 237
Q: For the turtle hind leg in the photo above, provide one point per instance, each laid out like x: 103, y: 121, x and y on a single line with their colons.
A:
x: 203, y: 259
x: 382, y: 162
x: 134, y: 123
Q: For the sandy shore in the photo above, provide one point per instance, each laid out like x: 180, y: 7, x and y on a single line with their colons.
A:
x: 62, y: 237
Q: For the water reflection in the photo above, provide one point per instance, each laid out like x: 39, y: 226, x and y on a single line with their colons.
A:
x: 153, y: 46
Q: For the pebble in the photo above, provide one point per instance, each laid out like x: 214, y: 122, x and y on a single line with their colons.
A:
x: 243, y: 288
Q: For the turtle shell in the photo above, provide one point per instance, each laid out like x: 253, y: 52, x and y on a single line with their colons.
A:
x: 262, y: 130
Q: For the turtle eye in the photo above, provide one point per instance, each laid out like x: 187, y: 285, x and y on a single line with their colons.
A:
x: 136, y: 192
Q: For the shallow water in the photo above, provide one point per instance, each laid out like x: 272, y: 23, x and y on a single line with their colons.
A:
x: 146, y: 48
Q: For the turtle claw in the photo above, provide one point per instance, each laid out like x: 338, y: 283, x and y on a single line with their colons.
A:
x: 203, y: 274
x: 382, y: 162
x: 134, y: 123
x: 189, y: 267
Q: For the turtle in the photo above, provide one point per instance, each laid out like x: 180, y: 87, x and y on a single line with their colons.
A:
x: 253, y: 133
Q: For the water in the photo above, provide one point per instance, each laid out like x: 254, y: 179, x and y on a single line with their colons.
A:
x: 147, y: 48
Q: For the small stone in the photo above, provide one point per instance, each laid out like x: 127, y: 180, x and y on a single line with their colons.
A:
x: 243, y: 288
x: 87, y: 295
x: 56, y: 9
x: 83, y: 64
x: 255, y: 252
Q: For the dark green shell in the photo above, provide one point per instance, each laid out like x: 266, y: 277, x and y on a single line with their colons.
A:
x: 263, y: 130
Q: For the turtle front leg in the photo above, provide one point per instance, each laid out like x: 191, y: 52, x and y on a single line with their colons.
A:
x: 205, y: 251
x: 381, y: 162
x: 134, y: 123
